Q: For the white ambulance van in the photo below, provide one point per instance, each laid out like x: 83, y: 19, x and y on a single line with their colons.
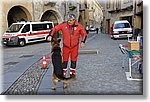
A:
x: 22, y: 33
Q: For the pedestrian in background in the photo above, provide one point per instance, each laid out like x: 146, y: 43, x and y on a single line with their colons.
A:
x: 97, y: 30
x: 71, y: 31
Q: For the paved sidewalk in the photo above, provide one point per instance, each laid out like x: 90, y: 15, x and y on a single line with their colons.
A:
x: 100, y: 73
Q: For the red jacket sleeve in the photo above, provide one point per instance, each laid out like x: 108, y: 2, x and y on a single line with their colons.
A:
x: 83, y: 34
x: 56, y: 29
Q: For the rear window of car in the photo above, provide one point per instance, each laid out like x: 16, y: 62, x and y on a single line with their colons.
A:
x: 121, y: 25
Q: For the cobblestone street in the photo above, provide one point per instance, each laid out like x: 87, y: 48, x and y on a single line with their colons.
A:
x: 98, y: 73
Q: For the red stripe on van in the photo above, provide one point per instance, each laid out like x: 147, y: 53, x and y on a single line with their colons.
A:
x: 38, y: 33
x: 6, y: 36
x: 21, y: 35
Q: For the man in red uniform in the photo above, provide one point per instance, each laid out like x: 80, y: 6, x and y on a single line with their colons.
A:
x: 71, y: 31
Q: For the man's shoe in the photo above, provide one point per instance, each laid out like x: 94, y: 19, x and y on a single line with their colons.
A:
x: 64, y: 71
x: 73, y: 76
x: 72, y: 71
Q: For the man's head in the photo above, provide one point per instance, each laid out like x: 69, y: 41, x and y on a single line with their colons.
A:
x: 71, y: 19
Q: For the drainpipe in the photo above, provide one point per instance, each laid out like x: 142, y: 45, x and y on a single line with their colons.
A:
x: 134, y: 32
x: 65, y: 11
x: 33, y: 11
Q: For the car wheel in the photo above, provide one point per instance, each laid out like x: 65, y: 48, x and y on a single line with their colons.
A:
x: 21, y: 42
x: 113, y: 37
x: 47, y: 38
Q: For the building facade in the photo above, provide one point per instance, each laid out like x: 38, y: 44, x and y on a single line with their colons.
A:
x: 95, y: 13
x: 139, y: 14
x: 90, y: 13
x: 43, y: 10
x: 131, y: 10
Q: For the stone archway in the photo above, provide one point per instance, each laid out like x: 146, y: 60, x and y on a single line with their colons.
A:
x: 50, y: 15
x: 53, y: 16
x: 18, y: 13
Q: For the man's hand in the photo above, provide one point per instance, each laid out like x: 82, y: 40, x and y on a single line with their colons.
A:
x: 82, y: 45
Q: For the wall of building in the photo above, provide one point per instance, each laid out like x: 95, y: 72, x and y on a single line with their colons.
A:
x: 6, y: 5
x: 131, y: 10
x: 95, y: 13
x: 118, y: 10
x: 40, y: 10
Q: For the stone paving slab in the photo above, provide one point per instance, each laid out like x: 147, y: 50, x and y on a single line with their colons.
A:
x: 47, y: 84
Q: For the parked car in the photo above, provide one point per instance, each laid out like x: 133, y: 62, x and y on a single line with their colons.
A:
x: 121, y: 29
x: 92, y: 28
x: 23, y: 32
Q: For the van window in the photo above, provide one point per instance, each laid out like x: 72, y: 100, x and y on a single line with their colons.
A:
x: 26, y: 28
x: 14, y: 28
x: 49, y: 26
x: 37, y: 27
x: 121, y: 25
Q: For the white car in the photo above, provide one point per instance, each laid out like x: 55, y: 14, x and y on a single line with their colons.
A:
x: 121, y: 29
x: 92, y: 28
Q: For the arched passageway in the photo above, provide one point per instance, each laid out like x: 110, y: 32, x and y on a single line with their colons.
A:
x: 18, y: 13
x: 50, y: 15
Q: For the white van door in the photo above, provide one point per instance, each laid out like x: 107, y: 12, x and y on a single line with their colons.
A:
x: 39, y: 32
x: 24, y: 36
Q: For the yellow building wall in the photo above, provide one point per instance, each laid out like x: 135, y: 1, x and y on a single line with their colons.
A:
x: 6, y: 5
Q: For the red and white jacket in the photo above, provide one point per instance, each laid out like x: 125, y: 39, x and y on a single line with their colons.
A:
x: 71, y: 34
